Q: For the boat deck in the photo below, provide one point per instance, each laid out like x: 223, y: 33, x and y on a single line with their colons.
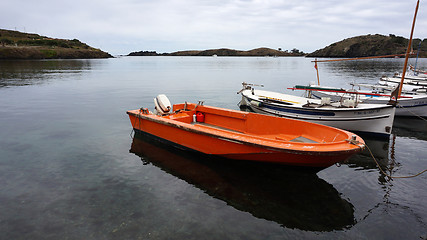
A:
x: 216, y: 127
x: 280, y: 137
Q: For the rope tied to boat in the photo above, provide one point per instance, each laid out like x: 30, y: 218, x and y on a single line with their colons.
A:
x: 143, y: 110
x: 353, y: 141
x: 388, y: 175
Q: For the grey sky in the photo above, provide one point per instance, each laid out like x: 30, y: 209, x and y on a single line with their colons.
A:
x: 123, y: 26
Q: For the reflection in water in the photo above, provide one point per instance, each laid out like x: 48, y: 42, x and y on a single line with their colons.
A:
x: 292, y: 198
x: 379, y: 149
x: 410, y: 127
x: 368, y: 69
x: 383, y: 152
x: 21, y: 72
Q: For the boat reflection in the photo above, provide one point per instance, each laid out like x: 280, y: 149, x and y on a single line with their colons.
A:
x: 384, y: 150
x: 410, y: 127
x: 291, y: 197
x: 378, y: 148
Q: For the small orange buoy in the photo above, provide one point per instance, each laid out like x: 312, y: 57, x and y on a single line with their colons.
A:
x: 200, y: 117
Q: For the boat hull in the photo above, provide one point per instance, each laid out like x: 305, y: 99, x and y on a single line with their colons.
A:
x: 406, y: 107
x: 314, y: 160
x: 236, y: 145
x: 374, y: 120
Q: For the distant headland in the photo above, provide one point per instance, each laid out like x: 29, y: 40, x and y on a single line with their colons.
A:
x: 226, y: 52
x: 360, y: 46
x: 19, y: 45
x: 371, y: 45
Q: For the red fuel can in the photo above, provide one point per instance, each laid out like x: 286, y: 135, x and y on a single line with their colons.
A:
x: 200, y: 117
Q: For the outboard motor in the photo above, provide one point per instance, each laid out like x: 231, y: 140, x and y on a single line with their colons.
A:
x: 162, y: 104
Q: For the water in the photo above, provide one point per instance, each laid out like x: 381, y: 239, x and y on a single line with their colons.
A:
x: 70, y: 169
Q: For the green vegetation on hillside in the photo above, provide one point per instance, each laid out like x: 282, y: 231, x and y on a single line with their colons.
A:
x: 18, y: 45
x: 370, y: 45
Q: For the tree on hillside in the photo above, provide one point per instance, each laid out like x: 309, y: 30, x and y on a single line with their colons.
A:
x: 296, y: 51
x: 5, y: 41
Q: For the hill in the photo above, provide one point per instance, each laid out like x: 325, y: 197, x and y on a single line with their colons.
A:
x: 370, y: 45
x: 19, y: 45
x: 258, y: 52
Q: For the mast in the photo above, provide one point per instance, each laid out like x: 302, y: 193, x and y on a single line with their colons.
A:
x: 408, y: 50
x: 317, y: 70
x: 416, y: 61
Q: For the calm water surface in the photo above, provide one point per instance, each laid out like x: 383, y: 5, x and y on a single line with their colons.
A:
x: 71, y: 168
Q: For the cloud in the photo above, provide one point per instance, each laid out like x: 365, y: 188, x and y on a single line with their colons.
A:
x: 171, y: 25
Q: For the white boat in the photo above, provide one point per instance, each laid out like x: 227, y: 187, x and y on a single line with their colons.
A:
x: 374, y: 119
x: 388, y: 88
x: 410, y: 84
x: 408, y: 105
x: 386, y: 83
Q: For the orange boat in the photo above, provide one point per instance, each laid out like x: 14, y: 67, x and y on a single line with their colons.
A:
x: 246, y: 136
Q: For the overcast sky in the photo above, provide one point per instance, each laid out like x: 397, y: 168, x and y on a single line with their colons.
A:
x: 124, y: 26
